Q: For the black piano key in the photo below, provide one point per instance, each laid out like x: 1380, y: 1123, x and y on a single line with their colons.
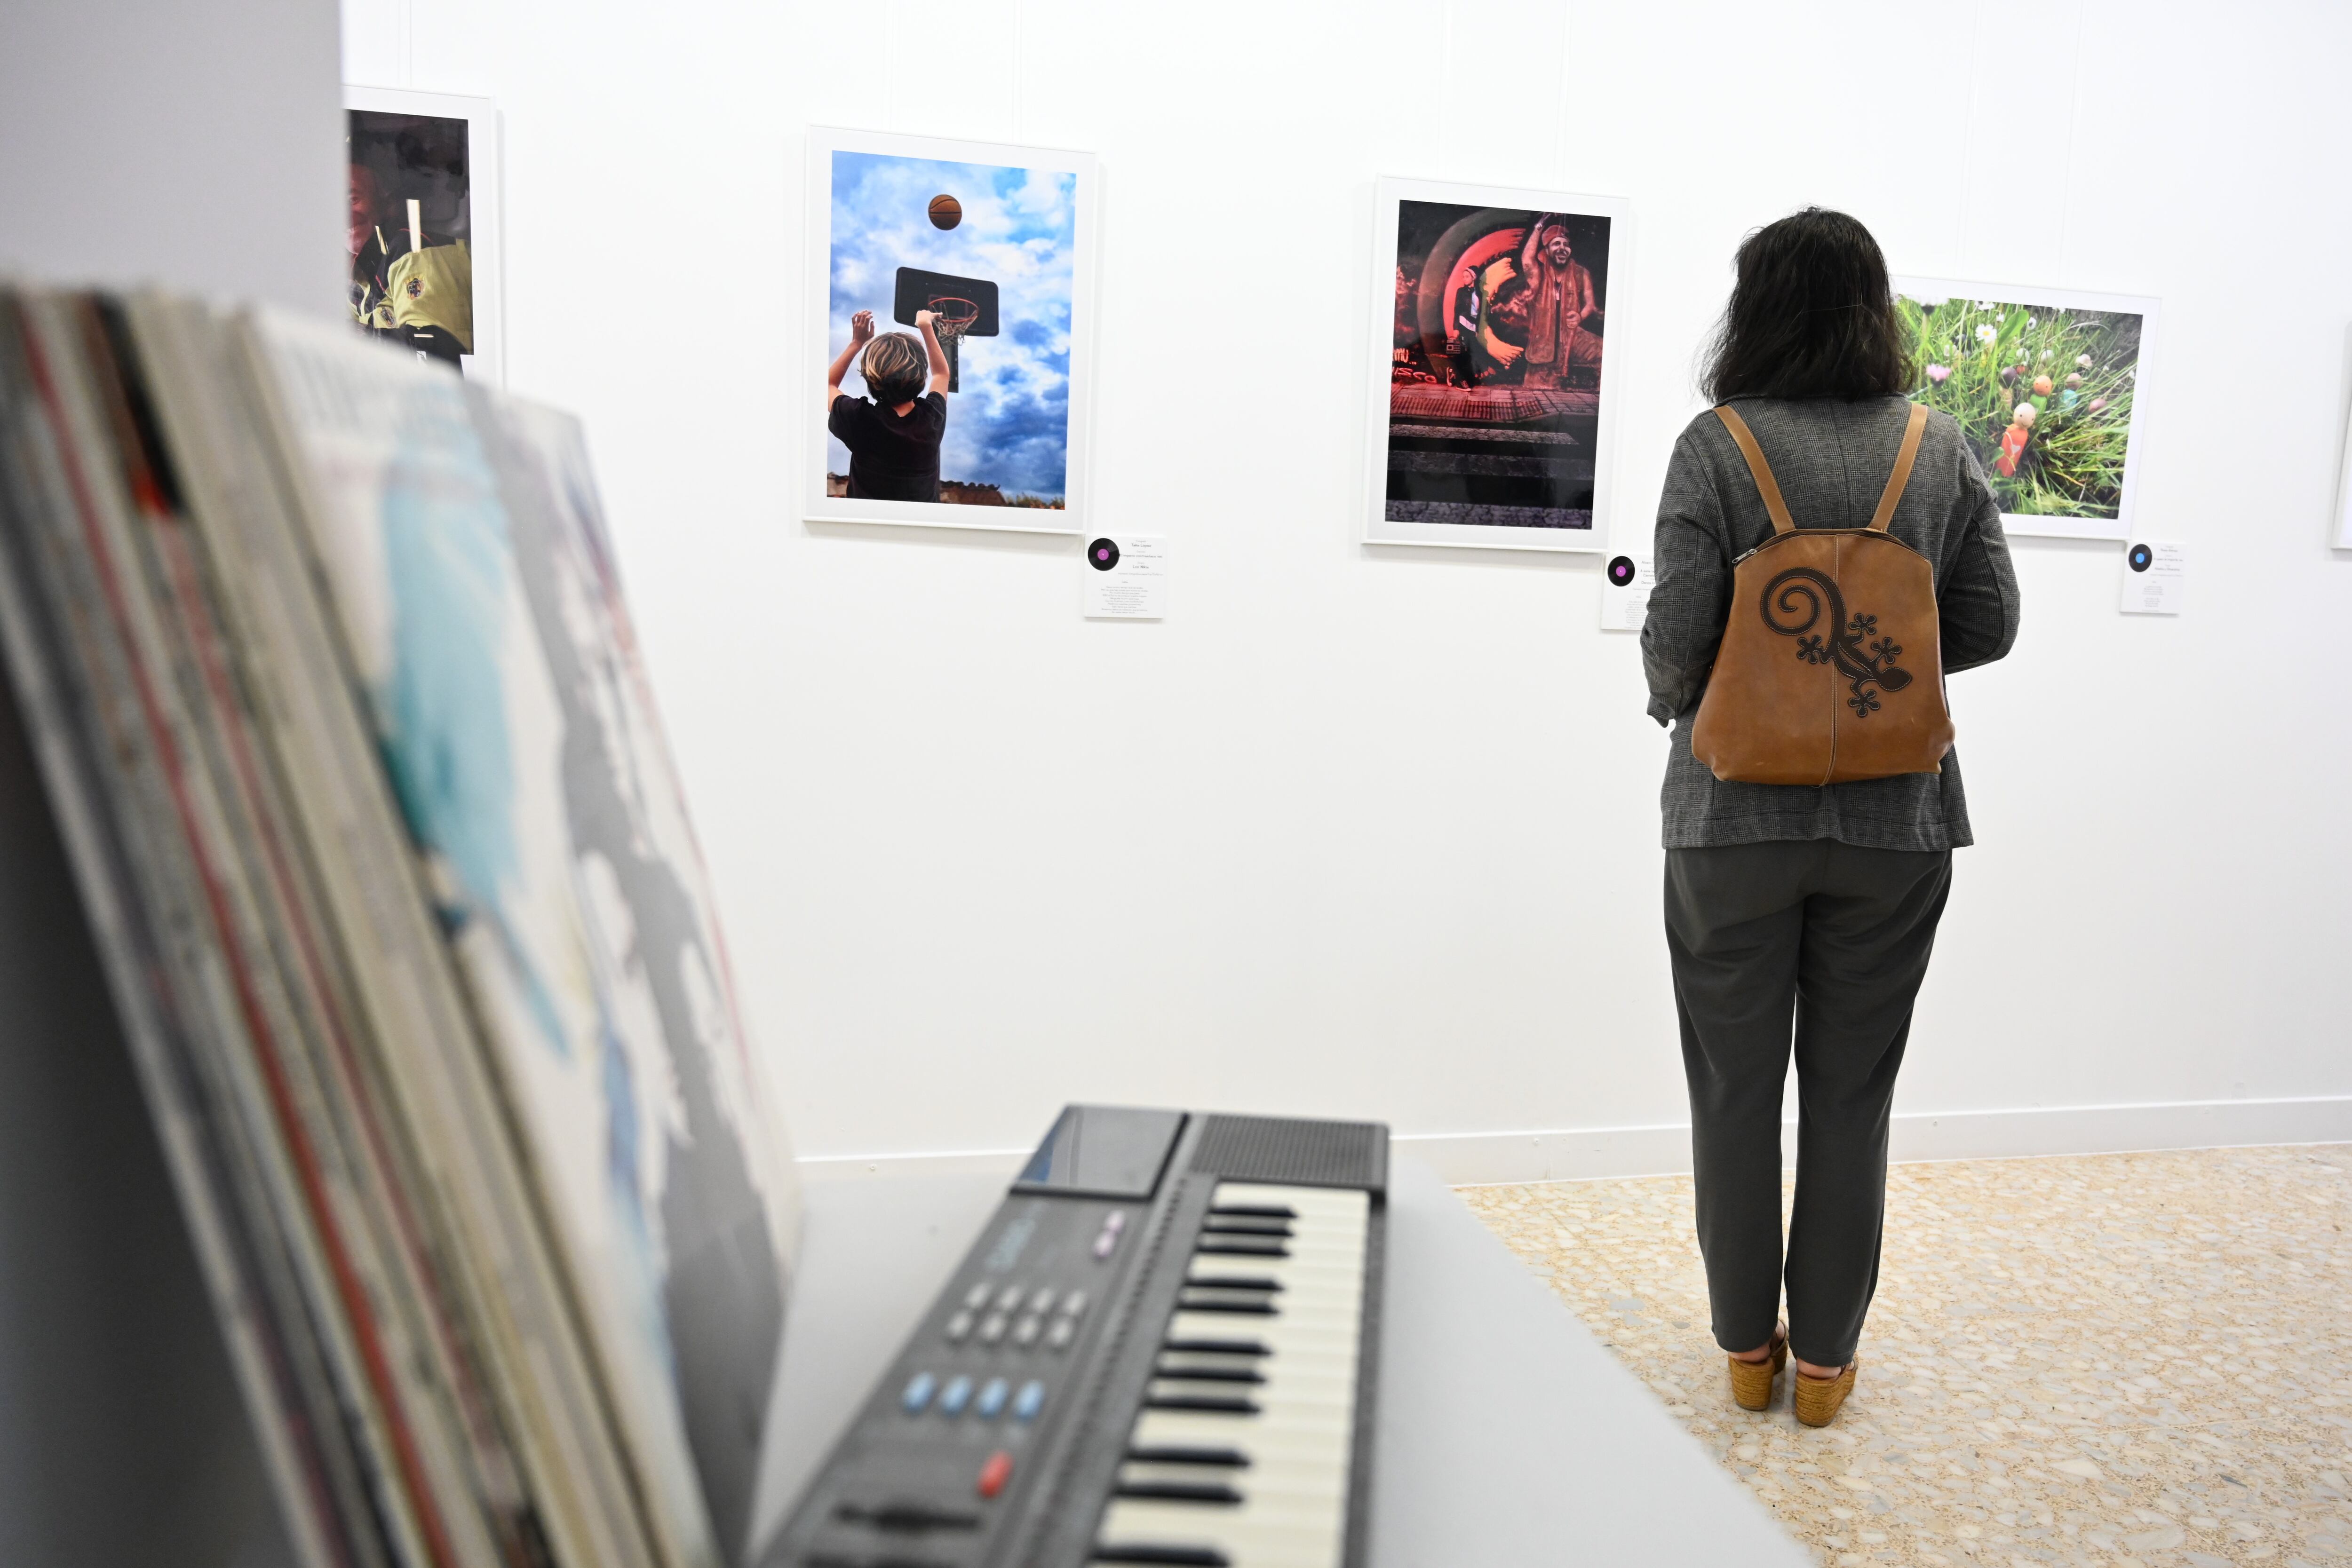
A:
x: 1212, y: 1374
x: 1177, y: 1491
x: 1245, y: 1224
x: 1235, y: 1282
x: 1170, y: 1556
x: 1187, y: 1454
x: 1220, y: 1346
x: 1203, y: 1404
x: 1251, y: 1305
x: 1254, y: 1210
x: 1243, y: 1246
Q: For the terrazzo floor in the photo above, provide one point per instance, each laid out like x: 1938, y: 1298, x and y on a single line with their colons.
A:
x: 2137, y: 1361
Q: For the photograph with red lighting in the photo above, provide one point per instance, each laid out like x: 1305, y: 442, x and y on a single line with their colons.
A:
x: 1498, y: 354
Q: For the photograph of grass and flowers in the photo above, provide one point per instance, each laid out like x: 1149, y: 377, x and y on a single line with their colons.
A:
x: 2043, y: 395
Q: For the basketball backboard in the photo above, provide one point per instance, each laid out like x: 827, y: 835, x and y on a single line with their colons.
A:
x: 917, y: 290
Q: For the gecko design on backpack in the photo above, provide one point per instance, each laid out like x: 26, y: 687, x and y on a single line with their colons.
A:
x: 1864, y: 657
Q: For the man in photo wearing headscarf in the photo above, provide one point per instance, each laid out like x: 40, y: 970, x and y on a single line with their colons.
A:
x: 1558, y: 310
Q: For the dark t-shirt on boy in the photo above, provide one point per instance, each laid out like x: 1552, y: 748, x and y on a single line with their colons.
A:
x: 891, y: 458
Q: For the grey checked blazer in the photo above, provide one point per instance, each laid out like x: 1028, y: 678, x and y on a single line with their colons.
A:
x: 1831, y: 458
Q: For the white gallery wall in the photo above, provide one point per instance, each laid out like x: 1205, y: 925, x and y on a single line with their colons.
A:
x: 1373, y: 831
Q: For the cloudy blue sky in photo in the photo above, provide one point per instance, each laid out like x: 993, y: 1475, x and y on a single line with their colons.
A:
x: 1008, y: 425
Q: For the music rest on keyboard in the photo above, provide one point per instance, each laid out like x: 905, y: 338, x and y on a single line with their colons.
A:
x: 1160, y: 1351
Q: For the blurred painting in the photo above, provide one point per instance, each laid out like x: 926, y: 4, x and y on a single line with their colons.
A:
x: 1493, y: 377
x: 2047, y: 387
x: 419, y: 227
x: 951, y: 285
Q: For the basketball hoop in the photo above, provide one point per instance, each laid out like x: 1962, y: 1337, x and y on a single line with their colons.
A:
x: 952, y: 318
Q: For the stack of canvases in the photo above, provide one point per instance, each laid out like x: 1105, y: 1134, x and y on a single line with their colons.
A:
x: 342, y: 716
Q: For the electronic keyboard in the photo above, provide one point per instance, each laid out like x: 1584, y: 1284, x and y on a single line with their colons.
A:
x: 1161, y: 1350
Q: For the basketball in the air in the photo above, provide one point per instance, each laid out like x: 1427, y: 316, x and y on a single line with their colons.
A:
x: 946, y: 212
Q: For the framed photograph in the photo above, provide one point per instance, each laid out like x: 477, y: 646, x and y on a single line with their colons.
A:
x: 952, y: 332
x: 422, y: 229
x: 2343, y: 532
x: 2048, y: 386
x: 1494, y: 411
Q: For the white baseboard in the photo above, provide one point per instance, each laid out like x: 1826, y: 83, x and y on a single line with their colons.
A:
x: 1582, y: 1154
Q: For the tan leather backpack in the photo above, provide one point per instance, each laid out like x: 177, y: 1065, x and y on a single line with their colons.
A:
x: 1831, y: 667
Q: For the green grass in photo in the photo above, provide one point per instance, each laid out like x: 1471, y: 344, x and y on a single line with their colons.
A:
x: 1978, y: 359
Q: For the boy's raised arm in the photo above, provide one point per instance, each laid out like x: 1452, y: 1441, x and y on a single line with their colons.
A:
x: 861, y: 332
x: 939, y: 358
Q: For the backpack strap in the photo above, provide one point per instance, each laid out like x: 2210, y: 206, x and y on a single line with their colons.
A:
x: 1766, y: 485
x: 1902, y: 474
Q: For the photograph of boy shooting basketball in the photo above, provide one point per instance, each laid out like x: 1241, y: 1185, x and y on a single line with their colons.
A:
x: 949, y: 317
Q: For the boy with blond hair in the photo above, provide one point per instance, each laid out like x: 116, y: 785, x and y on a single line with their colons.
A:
x: 893, y: 433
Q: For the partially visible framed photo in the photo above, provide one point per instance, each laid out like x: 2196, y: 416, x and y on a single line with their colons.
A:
x: 1493, y: 418
x: 2343, y: 539
x: 423, y: 233
x: 950, y: 306
x: 2049, y: 386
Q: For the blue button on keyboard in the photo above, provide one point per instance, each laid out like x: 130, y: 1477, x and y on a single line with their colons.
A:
x: 1029, y: 1401
x: 992, y: 1399
x: 918, y: 1394
x: 955, y: 1396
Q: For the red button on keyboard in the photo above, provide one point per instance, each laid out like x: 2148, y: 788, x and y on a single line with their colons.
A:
x: 995, y: 1473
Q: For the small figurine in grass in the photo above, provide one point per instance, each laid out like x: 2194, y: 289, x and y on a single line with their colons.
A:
x: 2013, y: 439
x: 2009, y: 374
x: 2074, y: 392
x: 2098, y: 405
x: 2042, y: 386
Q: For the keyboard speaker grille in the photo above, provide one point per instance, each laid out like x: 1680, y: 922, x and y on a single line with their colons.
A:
x: 1304, y: 1153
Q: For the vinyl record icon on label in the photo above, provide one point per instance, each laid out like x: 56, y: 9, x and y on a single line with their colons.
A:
x: 1103, y: 554
x: 1621, y: 571
x: 2139, y: 558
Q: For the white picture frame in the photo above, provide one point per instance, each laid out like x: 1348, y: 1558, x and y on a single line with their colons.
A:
x: 1013, y: 365
x: 1979, y: 432
x: 1548, y: 433
x: 2342, y: 535
x: 484, y: 206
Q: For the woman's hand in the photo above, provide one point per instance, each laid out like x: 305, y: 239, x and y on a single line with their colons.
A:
x: 925, y: 318
x: 861, y: 329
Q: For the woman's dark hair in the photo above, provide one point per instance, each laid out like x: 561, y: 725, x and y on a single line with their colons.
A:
x: 1811, y: 315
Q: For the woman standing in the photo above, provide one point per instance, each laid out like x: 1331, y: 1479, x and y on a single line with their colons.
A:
x: 1802, y: 915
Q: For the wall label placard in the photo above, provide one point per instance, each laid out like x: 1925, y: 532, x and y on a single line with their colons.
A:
x: 1127, y: 577
x: 1626, y: 588
x: 2152, y: 577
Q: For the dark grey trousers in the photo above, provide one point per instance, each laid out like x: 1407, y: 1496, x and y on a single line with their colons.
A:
x: 1834, y: 939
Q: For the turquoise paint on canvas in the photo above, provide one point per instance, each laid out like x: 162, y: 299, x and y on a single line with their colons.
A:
x: 449, y: 746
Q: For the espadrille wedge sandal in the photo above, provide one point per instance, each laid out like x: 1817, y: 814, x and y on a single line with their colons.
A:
x: 1751, y: 1381
x: 1818, y: 1398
